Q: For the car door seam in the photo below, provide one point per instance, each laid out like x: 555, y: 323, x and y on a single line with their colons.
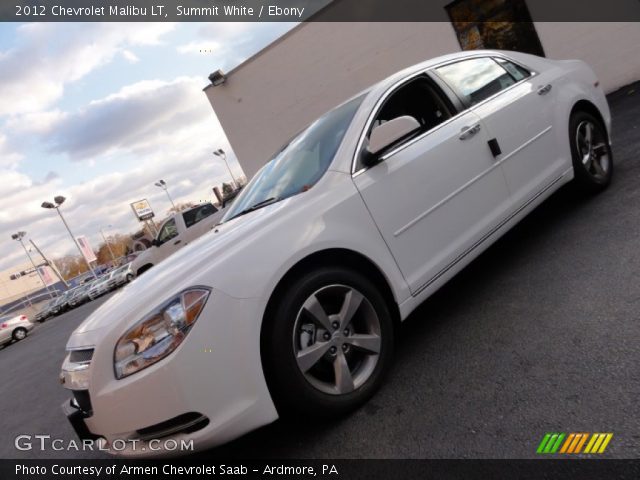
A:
x: 486, y: 236
x: 445, y: 200
x: 525, y: 144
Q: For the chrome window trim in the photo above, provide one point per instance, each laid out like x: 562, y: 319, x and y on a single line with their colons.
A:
x: 395, y: 86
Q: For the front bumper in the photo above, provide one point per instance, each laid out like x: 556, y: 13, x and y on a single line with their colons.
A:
x: 209, y: 391
x: 77, y: 417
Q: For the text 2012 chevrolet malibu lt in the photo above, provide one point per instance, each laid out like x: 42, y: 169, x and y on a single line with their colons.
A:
x: 291, y: 304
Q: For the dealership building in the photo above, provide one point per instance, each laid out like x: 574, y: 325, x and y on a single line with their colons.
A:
x: 270, y: 97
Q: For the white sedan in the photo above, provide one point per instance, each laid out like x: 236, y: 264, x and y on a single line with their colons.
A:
x: 14, y: 328
x: 290, y: 306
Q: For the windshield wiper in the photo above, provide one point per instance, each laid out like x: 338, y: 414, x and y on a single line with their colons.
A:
x: 256, y: 206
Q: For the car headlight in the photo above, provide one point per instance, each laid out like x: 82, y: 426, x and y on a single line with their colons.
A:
x: 159, y: 333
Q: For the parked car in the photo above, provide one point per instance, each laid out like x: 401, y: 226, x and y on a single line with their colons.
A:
x: 120, y: 276
x: 45, y: 312
x: 99, y: 287
x: 60, y: 304
x: 176, y: 232
x: 14, y: 328
x: 297, y: 295
x: 80, y: 295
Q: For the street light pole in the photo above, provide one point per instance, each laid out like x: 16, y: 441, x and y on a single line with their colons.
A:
x: 113, y: 257
x: 51, y: 264
x: 59, y: 200
x: 163, y: 185
x: 19, y: 236
x: 222, y: 154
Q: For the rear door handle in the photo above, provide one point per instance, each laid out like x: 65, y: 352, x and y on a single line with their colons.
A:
x: 468, y: 132
x: 177, y: 242
x: 544, y: 89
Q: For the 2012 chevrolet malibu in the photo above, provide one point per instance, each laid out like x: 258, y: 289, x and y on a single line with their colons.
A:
x: 290, y: 305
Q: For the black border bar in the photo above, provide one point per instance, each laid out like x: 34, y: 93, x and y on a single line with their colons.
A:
x: 322, y: 469
x: 297, y: 10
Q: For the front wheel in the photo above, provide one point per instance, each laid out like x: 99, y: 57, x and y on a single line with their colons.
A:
x: 590, y: 152
x: 328, y: 345
x: 19, y: 334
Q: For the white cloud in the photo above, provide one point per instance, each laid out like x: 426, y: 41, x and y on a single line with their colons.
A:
x: 36, y: 122
x: 142, y: 116
x: 49, y: 57
x: 9, y: 158
x: 130, y: 57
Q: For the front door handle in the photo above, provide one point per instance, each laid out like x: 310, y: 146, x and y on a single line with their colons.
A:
x: 544, y: 89
x: 177, y: 242
x: 468, y: 132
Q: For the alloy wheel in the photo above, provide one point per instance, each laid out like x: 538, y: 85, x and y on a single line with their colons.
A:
x: 591, y: 145
x: 336, y: 339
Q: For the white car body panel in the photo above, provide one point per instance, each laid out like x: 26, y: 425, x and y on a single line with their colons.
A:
x: 417, y: 222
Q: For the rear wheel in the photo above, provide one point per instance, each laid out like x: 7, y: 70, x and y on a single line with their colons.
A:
x: 591, y: 152
x: 329, y: 344
x: 19, y: 334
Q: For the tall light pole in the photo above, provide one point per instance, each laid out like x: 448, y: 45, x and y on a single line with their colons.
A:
x: 113, y: 257
x: 59, y: 201
x: 19, y: 237
x: 163, y: 185
x: 221, y: 153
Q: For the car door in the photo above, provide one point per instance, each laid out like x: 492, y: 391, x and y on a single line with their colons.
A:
x: 515, y: 106
x: 167, y: 240
x: 195, y: 220
x: 435, y: 196
x: 5, y: 332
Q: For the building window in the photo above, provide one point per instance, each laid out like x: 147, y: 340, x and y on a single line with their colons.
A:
x: 494, y: 24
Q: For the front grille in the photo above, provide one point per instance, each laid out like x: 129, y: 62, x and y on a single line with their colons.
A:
x: 81, y: 356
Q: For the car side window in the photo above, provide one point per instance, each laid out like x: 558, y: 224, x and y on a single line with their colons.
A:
x: 516, y: 71
x: 420, y: 99
x: 477, y: 79
x: 168, y: 231
x: 195, y: 215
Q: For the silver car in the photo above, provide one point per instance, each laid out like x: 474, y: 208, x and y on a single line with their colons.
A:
x: 14, y: 328
x: 120, y: 276
x: 99, y: 287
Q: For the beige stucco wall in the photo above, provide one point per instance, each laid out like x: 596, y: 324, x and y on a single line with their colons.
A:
x: 318, y: 65
x: 610, y: 48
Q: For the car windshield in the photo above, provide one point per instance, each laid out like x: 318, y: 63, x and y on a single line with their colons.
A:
x: 299, y: 164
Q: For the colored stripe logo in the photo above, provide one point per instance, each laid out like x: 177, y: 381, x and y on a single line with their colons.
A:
x: 574, y: 443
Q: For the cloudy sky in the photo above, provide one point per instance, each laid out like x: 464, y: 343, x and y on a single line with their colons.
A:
x: 99, y: 112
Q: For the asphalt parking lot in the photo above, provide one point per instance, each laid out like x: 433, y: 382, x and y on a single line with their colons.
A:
x: 540, y: 334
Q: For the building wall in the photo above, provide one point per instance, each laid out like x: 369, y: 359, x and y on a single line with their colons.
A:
x: 318, y: 65
x: 12, y: 289
x: 610, y: 48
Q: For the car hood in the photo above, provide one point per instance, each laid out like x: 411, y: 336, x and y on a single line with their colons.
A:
x: 183, y: 269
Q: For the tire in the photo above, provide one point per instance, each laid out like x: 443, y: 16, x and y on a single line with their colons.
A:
x: 19, y: 334
x: 320, y: 388
x: 592, y: 158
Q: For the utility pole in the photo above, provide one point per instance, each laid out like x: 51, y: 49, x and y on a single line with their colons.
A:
x: 51, y: 264
x: 113, y: 257
x: 20, y: 237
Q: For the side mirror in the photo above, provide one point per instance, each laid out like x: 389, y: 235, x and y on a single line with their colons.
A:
x: 387, y: 134
x: 155, y: 243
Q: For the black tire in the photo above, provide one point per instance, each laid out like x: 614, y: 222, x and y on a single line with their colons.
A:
x: 19, y: 334
x: 291, y: 390
x: 596, y: 174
